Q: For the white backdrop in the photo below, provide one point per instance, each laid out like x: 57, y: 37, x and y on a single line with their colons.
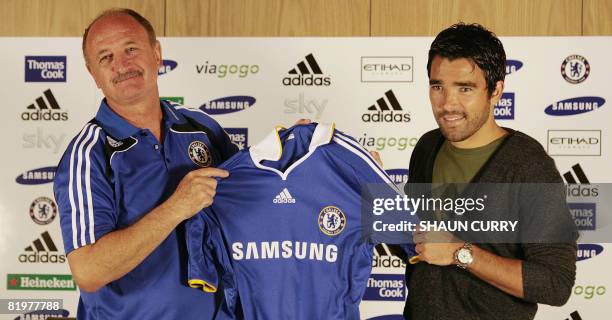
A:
x: 353, y: 84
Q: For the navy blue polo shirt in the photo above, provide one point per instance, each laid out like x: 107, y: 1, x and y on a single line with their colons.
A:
x: 114, y: 173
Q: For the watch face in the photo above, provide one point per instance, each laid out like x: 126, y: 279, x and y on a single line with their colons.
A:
x: 464, y: 256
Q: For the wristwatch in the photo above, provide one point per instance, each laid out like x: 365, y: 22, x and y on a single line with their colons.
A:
x: 463, y: 256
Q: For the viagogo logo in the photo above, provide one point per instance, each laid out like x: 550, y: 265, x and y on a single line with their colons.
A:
x: 380, y: 143
x: 226, y: 70
x: 589, y: 291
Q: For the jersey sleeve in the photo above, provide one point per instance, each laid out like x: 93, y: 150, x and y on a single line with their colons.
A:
x: 83, y: 192
x: 207, y: 254
x: 375, y: 183
x: 219, y: 138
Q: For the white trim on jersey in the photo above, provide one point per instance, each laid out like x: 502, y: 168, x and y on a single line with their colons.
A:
x: 110, y: 160
x: 70, y: 185
x: 271, y: 148
x: 193, y: 110
x: 367, y: 158
x: 88, y: 185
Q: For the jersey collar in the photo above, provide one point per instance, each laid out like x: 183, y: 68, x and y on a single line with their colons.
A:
x: 120, y: 129
x: 271, y: 148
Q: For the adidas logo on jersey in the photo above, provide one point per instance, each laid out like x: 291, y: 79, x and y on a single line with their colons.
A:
x: 284, y: 197
x: 41, y: 111
x: 307, y: 73
x: 44, y: 251
x: 381, y: 112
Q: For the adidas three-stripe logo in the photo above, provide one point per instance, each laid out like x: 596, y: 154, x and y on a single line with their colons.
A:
x: 45, y: 110
x: 582, y: 178
x: 386, y: 109
x: 38, y: 245
x: 303, y: 69
x: 382, y: 104
x: 284, y: 197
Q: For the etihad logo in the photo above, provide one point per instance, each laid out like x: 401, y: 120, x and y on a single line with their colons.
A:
x: 385, y: 287
x: 587, y: 251
x: 307, y: 73
x: 37, y: 176
x: 398, y: 176
x: 504, y: 109
x: 41, y: 111
x: 512, y: 66
x: 308, y: 107
x: 62, y: 282
x: 574, y: 143
x: 284, y: 197
x: 167, y: 66
x: 228, y: 104
x: 573, y: 106
x: 239, y: 137
x: 45, y: 68
x: 386, y: 109
x: 43, y: 251
x: 386, y: 69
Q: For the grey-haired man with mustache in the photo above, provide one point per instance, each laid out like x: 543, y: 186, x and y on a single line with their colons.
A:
x: 131, y: 177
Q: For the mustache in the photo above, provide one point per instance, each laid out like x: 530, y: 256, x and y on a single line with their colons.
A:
x: 126, y: 75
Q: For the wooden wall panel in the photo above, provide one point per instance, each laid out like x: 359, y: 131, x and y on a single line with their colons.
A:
x: 67, y: 17
x: 268, y: 18
x: 597, y: 17
x: 504, y: 17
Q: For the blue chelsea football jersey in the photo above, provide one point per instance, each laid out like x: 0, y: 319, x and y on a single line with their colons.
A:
x: 285, y: 228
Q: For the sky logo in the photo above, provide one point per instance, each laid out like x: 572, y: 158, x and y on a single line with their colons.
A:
x: 228, y: 104
x: 167, y: 66
x: 572, y: 106
x: 45, y: 68
x: 504, y: 109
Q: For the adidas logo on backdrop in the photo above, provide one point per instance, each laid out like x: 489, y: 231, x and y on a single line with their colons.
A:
x: 284, y: 197
x: 44, y: 251
x: 386, y: 110
x: 40, y: 110
x: 307, y: 73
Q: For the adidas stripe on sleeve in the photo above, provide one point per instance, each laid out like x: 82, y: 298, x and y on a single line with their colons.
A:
x: 82, y: 191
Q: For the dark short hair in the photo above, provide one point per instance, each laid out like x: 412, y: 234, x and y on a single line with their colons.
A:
x: 119, y: 11
x: 473, y: 42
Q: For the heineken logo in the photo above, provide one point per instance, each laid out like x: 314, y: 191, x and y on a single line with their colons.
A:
x: 40, y: 282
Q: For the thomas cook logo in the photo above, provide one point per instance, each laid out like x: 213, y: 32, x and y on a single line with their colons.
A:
x: 574, y: 106
x: 45, y: 68
x: 331, y: 220
x: 228, y: 104
x: 575, y: 69
x: 167, y: 66
x: 199, y: 154
x: 307, y: 73
x: 43, y: 210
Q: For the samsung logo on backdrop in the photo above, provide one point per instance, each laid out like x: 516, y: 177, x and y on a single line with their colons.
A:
x: 167, y: 66
x: 513, y: 66
x: 574, y: 106
x: 398, y: 176
x: 45, y: 69
x: 228, y: 104
x: 37, y: 176
x: 588, y: 251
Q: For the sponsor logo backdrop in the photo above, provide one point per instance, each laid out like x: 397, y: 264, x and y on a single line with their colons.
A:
x: 375, y: 89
